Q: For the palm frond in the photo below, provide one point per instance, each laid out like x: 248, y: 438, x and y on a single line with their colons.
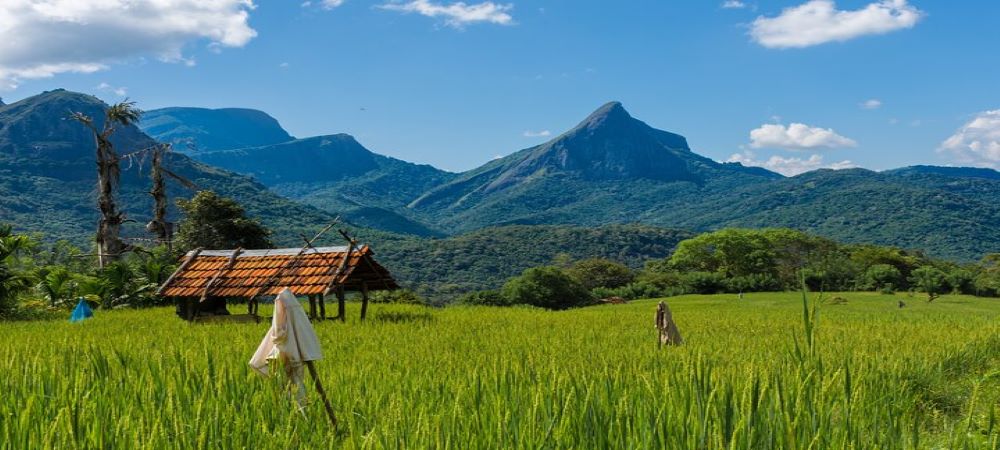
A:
x: 125, y: 113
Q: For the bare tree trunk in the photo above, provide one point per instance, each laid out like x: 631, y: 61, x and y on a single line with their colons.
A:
x: 109, y: 244
x: 159, y: 224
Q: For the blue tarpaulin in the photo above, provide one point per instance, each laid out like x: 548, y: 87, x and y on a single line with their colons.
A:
x: 81, y: 312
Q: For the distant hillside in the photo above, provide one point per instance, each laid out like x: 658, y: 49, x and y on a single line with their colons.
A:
x: 611, y: 168
x: 946, y: 216
x: 339, y: 175
x: 193, y: 130
x: 956, y: 172
x: 485, y: 259
x: 48, y: 178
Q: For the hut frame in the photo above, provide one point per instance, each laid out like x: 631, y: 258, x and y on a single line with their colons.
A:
x: 209, y: 278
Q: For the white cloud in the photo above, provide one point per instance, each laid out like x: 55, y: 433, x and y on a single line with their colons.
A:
x: 41, y: 38
x: 330, y: 4
x: 797, y: 136
x: 871, y: 104
x: 733, y: 4
x: 977, y: 142
x: 533, y: 134
x: 119, y: 91
x: 789, y: 166
x: 283, y: 65
x: 457, y: 14
x: 819, y: 21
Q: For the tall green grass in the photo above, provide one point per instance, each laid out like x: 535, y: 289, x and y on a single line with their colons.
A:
x: 874, y: 376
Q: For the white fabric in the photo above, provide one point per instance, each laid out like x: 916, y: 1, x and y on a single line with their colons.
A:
x: 291, y: 338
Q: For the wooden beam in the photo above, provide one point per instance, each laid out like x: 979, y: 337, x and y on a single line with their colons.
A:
x: 341, y: 304
x: 187, y: 262
x: 291, y: 261
x: 222, y: 270
x: 334, y: 283
x: 322, y: 306
x: 364, y: 300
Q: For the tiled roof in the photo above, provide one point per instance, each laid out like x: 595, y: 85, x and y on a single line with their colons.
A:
x: 311, y: 273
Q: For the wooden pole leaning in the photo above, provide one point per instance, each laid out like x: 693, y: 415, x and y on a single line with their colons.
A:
x: 322, y: 394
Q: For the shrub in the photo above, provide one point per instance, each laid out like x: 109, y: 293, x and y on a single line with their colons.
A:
x: 547, y: 287
x: 760, y: 282
x: 928, y: 279
x: 704, y: 282
x: 484, y: 298
x: 879, y: 275
x: 598, y: 272
x: 632, y: 291
x: 402, y: 296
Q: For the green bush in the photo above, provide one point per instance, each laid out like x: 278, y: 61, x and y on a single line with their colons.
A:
x: 878, y: 276
x: 704, y: 282
x: 484, y: 298
x: 760, y: 282
x: 547, y: 287
x: 632, y: 291
x: 402, y: 296
x: 598, y: 272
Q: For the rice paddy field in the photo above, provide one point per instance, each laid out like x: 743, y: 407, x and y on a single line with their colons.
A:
x: 760, y: 373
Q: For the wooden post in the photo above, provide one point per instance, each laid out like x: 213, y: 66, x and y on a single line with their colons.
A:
x: 312, y: 306
x: 190, y: 307
x: 364, y: 299
x: 322, y: 394
x: 322, y: 306
x: 341, y: 305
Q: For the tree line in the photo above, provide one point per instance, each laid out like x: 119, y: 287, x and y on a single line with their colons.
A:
x: 748, y: 260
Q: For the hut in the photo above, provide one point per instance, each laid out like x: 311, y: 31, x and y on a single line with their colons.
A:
x: 207, y: 280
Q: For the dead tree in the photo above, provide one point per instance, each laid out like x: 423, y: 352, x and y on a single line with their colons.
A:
x: 159, y: 226
x: 110, y: 246
x: 669, y: 334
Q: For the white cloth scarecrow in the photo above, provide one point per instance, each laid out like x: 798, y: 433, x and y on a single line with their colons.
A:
x: 292, y: 340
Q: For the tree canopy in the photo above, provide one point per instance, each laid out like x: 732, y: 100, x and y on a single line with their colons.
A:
x: 215, y: 222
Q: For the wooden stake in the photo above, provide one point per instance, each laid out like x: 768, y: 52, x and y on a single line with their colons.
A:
x: 312, y: 307
x: 364, y: 299
x: 322, y: 306
x: 322, y: 394
x: 341, y: 306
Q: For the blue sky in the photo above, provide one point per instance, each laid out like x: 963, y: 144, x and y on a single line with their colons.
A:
x: 790, y: 84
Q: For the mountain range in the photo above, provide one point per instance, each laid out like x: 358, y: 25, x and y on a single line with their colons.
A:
x: 612, y: 186
x: 612, y: 169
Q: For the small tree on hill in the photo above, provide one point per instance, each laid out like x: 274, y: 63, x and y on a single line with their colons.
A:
x: 881, y: 276
x: 215, y: 222
x: 547, y: 287
x: 598, y: 272
x: 929, y: 280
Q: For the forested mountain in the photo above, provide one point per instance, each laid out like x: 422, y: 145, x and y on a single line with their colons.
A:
x: 337, y: 174
x: 610, y: 169
x: 48, y: 176
x: 193, y: 130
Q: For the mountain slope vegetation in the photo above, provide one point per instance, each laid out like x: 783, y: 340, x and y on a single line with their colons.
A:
x: 194, y: 130
x: 48, y: 179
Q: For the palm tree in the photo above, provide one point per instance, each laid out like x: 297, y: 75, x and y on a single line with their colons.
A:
x: 12, y: 283
x: 109, y: 246
x: 56, y: 284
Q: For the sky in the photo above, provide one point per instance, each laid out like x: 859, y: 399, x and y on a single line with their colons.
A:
x: 791, y: 85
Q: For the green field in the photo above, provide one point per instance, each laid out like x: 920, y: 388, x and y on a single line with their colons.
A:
x: 924, y: 376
